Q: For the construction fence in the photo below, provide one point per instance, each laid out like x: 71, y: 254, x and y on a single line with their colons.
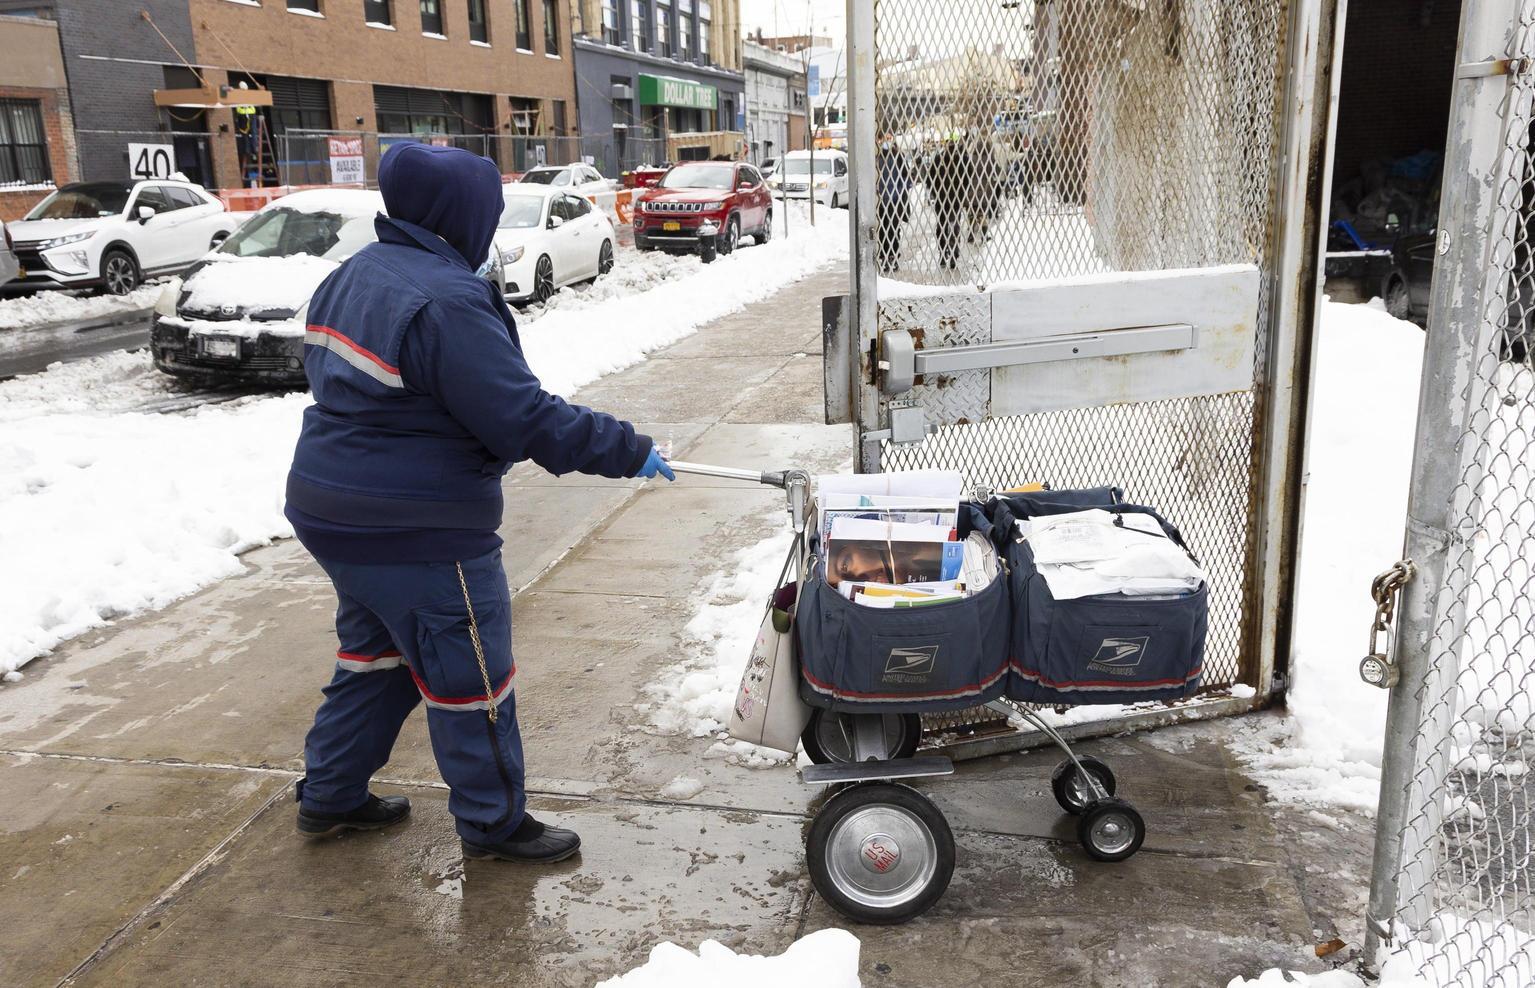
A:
x: 309, y: 157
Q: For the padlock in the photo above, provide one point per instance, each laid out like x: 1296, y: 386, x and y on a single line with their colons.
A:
x: 1377, y: 670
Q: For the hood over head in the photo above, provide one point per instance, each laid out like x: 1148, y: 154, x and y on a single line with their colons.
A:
x: 454, y: 193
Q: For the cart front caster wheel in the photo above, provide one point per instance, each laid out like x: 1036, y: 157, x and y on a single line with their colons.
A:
x: 880, y: 853
x: 1072, y: 791
x: 828, y: 738
x: 1111, y: 830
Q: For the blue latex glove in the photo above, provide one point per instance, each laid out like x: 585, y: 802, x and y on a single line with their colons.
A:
x: 654, y: 464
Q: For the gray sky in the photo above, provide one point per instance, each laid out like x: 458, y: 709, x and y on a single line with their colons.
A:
x: 791, y: 16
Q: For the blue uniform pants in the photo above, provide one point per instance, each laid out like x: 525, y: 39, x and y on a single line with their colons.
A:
x: 404, y: 638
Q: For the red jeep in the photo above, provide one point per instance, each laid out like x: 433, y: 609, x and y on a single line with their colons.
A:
x: 726, y: 197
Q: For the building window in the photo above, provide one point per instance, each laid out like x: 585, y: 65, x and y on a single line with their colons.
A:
x: 478, y: 29
x: 23, y: 144
x: 377, y: 12
x: 664, y: 29
x: 431, y: 17
x: 610, y: 31
x: 685, y: 37
x: 524, y: 33
x: 307, y: 6
x: 640, y: 9
x: 551, y: 27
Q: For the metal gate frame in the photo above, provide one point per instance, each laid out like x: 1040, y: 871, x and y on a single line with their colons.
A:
x: 1432, y: 620
x: 1292, y: 288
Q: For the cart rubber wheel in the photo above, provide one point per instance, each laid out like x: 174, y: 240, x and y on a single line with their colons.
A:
x: 1072, y: 791
x: 880, y: 853
x: 1111, y: 830
x: 828, y: 738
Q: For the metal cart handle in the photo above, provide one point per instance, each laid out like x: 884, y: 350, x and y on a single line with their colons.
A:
x: 794, y: 481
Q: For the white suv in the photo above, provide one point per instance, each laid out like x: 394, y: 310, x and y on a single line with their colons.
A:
x: 116, y: 234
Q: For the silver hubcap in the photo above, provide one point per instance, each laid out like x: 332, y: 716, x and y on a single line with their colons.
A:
x: 545, y: 278
x: 605, y: 261
x: 1112, y: 833
x: 881, y: 856
x: 1081, y: 792
x: 119, y: 276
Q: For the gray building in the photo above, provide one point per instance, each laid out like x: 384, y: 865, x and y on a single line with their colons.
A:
x: 775, y: 101
x: 115, y: 53
x: 661, y: 77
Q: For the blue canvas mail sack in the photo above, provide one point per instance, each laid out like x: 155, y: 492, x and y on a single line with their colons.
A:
x: 1109, y: 648
x: 937, y: 657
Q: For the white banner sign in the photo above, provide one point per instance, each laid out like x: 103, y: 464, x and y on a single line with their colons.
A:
x: 346, y: 161
x: 147, y: 161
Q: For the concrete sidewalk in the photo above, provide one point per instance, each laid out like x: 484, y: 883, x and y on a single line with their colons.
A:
x: 146, y: 826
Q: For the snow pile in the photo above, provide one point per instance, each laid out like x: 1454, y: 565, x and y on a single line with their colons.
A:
x: 694, y: 698
x: 572, y: 347
x: 1360, y: 457
x: 109, y: 513
x: 46, y: 308
x: 823, y: 959
x: 1451, y: 950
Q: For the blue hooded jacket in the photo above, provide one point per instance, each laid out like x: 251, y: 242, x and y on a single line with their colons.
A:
x: 422, y: 397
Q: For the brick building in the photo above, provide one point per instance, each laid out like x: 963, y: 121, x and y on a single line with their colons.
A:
x: 37, y: 140
x: 474, y: 72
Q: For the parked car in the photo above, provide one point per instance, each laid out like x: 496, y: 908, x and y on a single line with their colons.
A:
x: 581, y: 179
x: 238, y: 315
x: 1405, y: 290
x: 113, y: 235
x: 1405, y: 286
x: 768, y: 167
x: 548, y: 238
x: 794, y: 180
x: 9, y: 266
x: 725, y: 196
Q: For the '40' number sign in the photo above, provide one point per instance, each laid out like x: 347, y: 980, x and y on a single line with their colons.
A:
x: 149, y: 161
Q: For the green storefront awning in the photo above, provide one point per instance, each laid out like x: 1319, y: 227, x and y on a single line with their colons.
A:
x: 662, y: 90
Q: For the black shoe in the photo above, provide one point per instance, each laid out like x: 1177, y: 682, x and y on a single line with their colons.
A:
x: 531, y: 842
x: 376, y: 814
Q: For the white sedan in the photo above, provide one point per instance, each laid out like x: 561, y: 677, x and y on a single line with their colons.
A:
x: 115, y: 234
x: 548, y: 238
x: 583, y: 180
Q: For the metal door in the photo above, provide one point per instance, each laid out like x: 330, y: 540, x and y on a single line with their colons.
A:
x: 1085, y: 233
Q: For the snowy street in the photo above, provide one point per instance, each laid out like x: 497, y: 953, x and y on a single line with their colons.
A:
x: 180, y: 730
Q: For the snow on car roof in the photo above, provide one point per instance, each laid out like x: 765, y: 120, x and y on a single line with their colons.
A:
x: 346, y: 202
x: 534, y: 189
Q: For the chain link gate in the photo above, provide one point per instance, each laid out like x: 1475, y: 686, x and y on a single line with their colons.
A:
x: 1453, y: 883
x: 1078, y: 261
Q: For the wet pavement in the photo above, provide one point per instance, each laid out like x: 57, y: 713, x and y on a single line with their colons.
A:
x: 146, y: 827
x: 27, y: 351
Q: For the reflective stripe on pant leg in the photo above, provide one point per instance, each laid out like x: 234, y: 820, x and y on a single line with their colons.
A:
x: 357, y: 662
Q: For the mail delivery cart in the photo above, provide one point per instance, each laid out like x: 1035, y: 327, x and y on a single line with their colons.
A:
x: 879, y: 850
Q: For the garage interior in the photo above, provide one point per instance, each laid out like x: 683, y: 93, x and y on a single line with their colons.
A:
x: 1393, y: 115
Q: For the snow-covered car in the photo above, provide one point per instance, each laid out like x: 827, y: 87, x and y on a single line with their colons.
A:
x: 583, y: 180
x: 725, y: 196
x: 794, y: 179
x: 9, y: 266
x: 239, y: 313
x: 548, y: 238
x: 116, y: 234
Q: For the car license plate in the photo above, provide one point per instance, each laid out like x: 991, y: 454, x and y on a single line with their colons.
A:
x: 225, y: 347
x: 671, y: 225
